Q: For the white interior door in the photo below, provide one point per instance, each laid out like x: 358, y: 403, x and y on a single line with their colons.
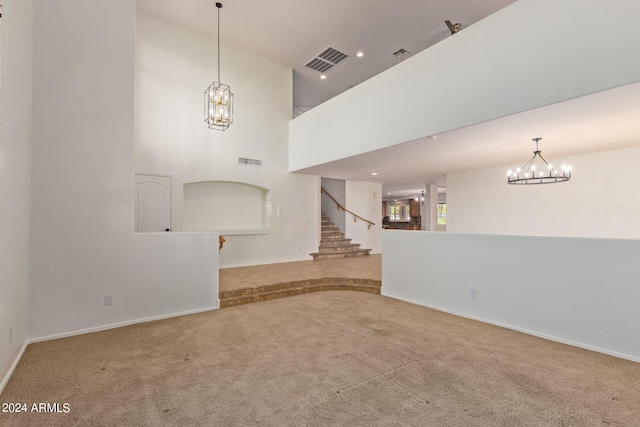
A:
x: 153, y: 203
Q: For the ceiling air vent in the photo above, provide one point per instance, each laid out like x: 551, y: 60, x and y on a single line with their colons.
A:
x: 326, y: 59
x: 319, y: 65
x: 252, y: 162
x: 400, y: 53
x: 332, y: 55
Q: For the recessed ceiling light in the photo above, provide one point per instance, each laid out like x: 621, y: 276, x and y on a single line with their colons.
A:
x: 388, y: 194
x: 432, y: 137
x: 360, y: 54
x: 405, y: 194
x: 323, y: 77
x: 374, y: 173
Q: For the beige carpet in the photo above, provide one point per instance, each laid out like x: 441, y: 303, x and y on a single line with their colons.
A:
x: 365, y: 267
x: 329, y: 358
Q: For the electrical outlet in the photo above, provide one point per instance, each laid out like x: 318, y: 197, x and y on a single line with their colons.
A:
x: 108, y: 299
x: 473, y: 293
x: 10, y: 335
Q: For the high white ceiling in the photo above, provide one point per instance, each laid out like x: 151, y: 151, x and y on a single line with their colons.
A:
x: 292, y: 32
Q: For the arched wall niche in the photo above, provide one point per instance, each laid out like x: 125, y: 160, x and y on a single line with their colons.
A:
x: 226, y: 206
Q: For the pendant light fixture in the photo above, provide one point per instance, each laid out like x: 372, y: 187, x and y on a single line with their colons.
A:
x: 218, y: 99
x: 538, y: 171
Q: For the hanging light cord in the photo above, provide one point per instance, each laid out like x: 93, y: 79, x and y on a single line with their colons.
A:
x: 218, y: 5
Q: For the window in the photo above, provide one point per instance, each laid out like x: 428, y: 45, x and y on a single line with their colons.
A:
x: 394, y: 213
x: 442, y: 214
x: 399, y: 213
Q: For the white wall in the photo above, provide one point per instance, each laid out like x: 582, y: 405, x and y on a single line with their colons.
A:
x: 429, y: 211
x: 335, y: 187
x: 364, y: 199
x: 583, y: 292
x: 599, y: 201
x: 229, y: 206
x: 527, y: 55
x: 173, y: 68
x: 15, y: 169
x: 82, y: 185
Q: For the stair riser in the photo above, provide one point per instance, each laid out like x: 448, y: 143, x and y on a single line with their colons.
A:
x: 335, y: 242
x: 333, y: 249
x: 230, y: 302
x: 336, y: 255
x: 233, y: 303
x: 339, y: 256
x: 332, y: 236
x: 287, y: 286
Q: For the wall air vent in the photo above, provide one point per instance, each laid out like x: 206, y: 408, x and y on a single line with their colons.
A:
x: 326, y: 59
x: 400, y: 53
x: 252, y: 162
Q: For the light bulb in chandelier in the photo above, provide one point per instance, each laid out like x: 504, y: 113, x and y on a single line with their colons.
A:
x: 527, y: 173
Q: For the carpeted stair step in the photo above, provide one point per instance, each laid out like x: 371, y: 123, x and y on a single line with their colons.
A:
x: 332, y: 236
x: 339, y: 248
x: 335, y: 255
x: 268, y: 292
x: 334, y: 242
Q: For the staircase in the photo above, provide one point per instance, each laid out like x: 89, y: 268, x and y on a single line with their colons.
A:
x: 333, y: 244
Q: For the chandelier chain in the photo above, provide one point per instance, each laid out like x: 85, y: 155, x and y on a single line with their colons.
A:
x: 219, y: 5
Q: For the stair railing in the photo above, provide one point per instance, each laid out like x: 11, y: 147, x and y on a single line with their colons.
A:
x: 340, y: 207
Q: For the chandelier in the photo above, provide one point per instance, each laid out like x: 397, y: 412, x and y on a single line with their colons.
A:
x: 538, y: 171
x: 218, y: 99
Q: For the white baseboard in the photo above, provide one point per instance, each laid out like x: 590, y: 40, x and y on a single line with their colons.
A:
x: 515, y: 328
x: 19, y: 354
x: 12, y: 367
x: 121, y: 324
